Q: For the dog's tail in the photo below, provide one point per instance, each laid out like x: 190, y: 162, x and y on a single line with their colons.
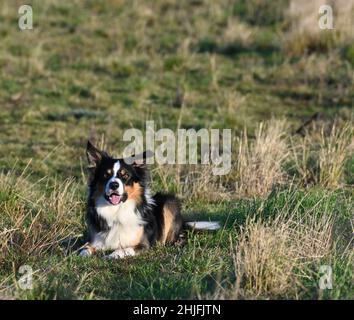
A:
x: 202, y: 225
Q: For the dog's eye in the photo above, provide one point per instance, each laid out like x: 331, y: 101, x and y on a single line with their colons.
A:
x: 124, y: 174
x: 107, y: 173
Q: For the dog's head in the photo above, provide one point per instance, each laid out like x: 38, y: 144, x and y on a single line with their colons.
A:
x: 116, y: 180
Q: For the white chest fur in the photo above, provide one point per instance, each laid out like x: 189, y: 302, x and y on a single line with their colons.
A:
x: 125, y: 223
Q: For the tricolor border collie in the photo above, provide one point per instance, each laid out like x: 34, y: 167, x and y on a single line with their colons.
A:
x: 122, y: 215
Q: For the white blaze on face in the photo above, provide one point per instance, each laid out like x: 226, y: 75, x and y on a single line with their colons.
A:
x: 114, y: 178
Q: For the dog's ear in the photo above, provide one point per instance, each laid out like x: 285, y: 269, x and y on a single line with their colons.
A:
x: 140, y: 159
x: 94, y: 156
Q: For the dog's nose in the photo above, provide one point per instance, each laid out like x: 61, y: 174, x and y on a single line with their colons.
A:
x: 114, y: 185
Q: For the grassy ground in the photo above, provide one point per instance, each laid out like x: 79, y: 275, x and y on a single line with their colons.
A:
x: 97, y: 68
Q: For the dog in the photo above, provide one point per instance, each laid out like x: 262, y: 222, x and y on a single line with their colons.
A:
x: 122, y: 216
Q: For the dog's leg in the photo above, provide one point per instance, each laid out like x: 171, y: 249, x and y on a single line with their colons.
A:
x: 121, y: 253
x: 91, y: 248
x: 87, y: 250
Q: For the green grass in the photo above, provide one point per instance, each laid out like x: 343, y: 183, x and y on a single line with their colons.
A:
x: 101, y: 67
x: 195, y: 270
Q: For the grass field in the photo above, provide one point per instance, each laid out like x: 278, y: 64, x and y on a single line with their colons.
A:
x: 261, y: 68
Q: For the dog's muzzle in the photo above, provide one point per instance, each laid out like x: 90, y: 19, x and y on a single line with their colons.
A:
x: 113, y: 196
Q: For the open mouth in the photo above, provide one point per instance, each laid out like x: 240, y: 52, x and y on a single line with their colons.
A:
x: 113, y: 198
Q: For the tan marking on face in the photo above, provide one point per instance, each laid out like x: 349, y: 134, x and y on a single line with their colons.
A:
x: 168, y: 219
x: 134, y: 192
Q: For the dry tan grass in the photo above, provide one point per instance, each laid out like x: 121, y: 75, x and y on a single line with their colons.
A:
x: 333, y: 154
x: 259, y: 162
x: 193, y: 182
x: 262, y: 163
x: 320, y: 156
x: 33, y: 222
x: 305, y: 35
x: 269, y: 253
x: 271, y: 256
x: 239, y: 32
x: 302, y: 156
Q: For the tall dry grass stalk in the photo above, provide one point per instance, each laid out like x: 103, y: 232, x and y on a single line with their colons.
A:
x: 239, y: 33
x: 259, y: 163
x: 272, y: 256
x: 320, y: 156
x: 269, y: 254
x: 263, y: 162
x: 192, y: 182
x: 301, y: 157
x: 32, y: 222
x: 305, y: 34
x: 334, y: 151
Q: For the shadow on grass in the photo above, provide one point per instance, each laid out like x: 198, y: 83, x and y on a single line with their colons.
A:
x: 265, y: 48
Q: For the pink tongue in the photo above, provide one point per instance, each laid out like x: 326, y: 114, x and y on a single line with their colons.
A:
x: 115, y: 199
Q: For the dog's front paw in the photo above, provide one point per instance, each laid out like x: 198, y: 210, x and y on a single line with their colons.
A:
x: 85, y: 252
x: 120, y: 253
